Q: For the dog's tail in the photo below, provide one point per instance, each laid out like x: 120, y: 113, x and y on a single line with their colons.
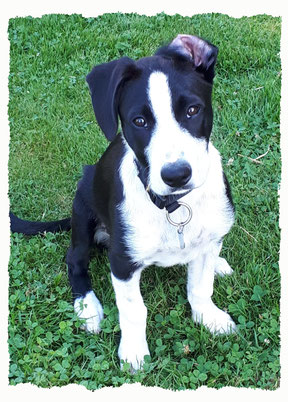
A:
x: 32, y: 228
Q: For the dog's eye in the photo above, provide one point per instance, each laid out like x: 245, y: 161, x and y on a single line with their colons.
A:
x: 192, y: 110
x: 140, y: 122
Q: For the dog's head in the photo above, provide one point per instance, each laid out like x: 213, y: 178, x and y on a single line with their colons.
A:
x: 164, y: 105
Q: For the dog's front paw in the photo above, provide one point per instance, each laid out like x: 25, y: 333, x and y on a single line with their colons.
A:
x: 217, y: 321
x: 89, y: 309
x: 133, y: 353
x: 222, y: 267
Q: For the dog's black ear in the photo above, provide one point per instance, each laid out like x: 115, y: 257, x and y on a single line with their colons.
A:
x: 104, y: 83
x: 201, y: 52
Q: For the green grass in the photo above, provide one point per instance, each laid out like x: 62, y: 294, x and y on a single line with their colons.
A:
x: 54, y: 133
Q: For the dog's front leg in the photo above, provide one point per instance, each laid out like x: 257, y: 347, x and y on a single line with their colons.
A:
x: 132, y: 317
x: 200, y: 291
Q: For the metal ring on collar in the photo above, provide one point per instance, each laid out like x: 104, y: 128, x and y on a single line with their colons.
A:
x: 184, y: 222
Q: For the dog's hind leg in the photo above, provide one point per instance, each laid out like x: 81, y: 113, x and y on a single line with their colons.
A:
x: 221, y: 266
x: 86, y: 304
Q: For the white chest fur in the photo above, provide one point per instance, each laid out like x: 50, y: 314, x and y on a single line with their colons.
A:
x: 151, y: 239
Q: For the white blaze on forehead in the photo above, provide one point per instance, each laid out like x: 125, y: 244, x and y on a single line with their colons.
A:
x: 166, y: 139
x: 160, y: 97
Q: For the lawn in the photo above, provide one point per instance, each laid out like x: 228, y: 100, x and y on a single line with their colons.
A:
x: 53, y: 133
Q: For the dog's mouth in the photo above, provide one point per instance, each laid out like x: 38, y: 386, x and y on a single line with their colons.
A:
x: 183, y: 189
x: 176, y: 191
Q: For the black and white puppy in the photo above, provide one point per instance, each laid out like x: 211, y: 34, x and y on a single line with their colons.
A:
x: 158, y: 195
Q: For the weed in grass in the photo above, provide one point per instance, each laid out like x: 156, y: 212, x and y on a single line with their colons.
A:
x: 54, y: 133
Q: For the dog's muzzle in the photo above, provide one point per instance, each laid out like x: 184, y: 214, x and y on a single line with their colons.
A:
x: 169, y: 202
x: 176, y: 174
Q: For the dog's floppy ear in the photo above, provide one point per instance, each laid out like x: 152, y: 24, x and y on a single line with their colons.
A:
x: 104, y: 83
x: 201, y: 52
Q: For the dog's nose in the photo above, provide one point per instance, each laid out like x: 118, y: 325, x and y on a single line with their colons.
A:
x: 176, y: 174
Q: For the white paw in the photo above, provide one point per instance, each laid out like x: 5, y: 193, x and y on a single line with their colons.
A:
x: 133, y: 353
x: 222, y: 267
x: 217, y: 321
x: 89, y: 308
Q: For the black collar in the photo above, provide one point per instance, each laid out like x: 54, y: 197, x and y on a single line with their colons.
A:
x: 169, y: 202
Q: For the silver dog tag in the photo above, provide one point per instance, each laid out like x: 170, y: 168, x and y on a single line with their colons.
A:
x: 181, y: 236
x: 180, y: 225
